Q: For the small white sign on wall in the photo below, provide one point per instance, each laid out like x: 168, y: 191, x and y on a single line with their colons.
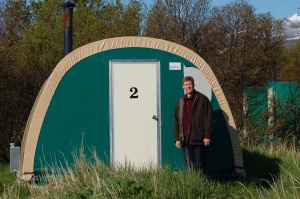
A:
x: 174, y: 66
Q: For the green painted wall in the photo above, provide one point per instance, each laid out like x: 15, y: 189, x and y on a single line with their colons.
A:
x: 219, y: 155
x: 79, y: 112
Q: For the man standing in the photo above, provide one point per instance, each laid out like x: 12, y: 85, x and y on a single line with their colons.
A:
x: 193, y: 125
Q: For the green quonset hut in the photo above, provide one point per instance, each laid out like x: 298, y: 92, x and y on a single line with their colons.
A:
x: 262, y: 105
x: 117, y: 96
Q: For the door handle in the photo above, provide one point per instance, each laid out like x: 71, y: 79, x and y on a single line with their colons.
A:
x: 154, y: 117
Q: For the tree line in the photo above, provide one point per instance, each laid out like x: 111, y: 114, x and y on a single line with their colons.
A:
x: 244, y: 48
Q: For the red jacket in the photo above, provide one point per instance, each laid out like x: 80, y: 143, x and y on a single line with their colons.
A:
x: 201, y: 120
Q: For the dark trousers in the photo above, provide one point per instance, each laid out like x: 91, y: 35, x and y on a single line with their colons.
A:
x: 194, y: 157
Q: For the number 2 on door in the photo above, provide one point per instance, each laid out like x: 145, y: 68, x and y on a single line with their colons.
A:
x: 134, y: 91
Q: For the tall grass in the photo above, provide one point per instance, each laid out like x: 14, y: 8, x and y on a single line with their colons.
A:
x: 6, y: 178
x: 272, y: 172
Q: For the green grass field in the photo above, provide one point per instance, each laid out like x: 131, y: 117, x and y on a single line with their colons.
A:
x: 271, y: 173
x: 6, y: 178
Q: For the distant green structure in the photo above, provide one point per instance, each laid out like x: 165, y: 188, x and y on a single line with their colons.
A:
x: 264, y: 106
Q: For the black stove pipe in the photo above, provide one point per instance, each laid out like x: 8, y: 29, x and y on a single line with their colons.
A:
x: 68, y: 24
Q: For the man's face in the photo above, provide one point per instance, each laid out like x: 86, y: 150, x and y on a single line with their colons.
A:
x: 188, y: 87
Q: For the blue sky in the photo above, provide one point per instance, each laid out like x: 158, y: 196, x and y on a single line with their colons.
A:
x: 278, y: 8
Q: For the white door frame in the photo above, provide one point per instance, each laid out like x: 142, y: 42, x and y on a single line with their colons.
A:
x: 158, y: 102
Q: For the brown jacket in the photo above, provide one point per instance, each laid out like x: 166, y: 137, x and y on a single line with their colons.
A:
x: 201, y: 120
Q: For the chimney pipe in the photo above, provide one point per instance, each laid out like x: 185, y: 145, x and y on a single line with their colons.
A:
x: 68, y: 23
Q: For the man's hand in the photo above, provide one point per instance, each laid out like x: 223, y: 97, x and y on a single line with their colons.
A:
x: 206, y: 142
x: 177, y: 144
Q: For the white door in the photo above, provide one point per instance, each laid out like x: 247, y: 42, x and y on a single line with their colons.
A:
x: 134, y: 111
